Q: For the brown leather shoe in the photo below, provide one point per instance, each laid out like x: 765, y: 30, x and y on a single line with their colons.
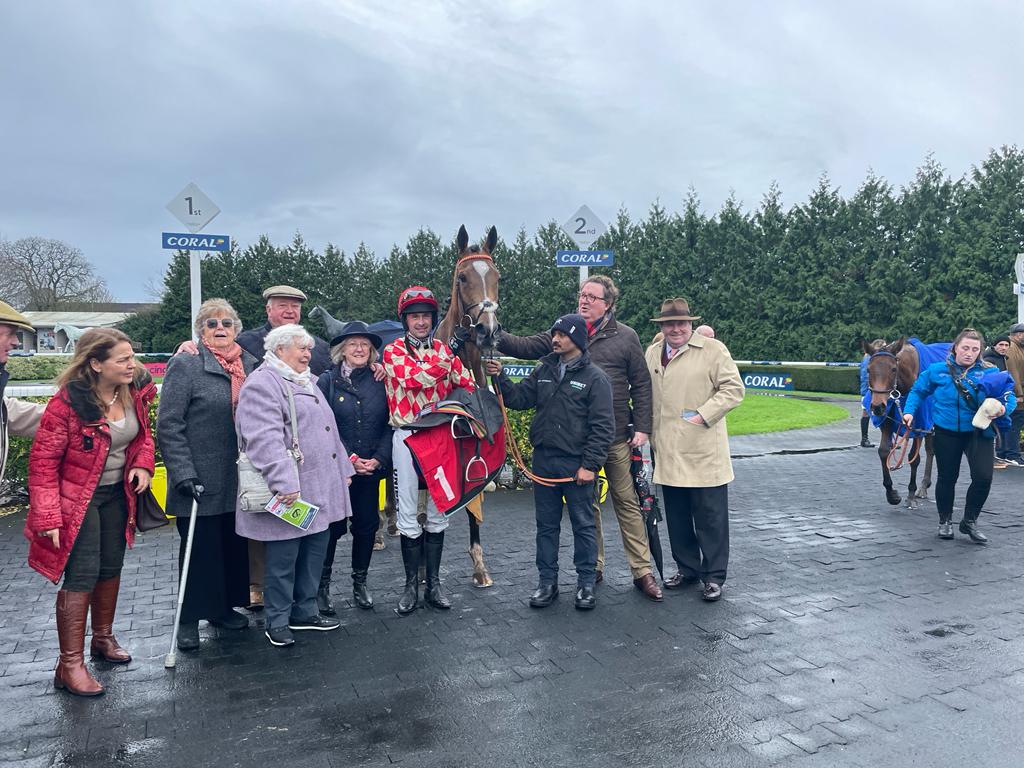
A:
x: 71, y: 674
x: 679, y: 581
x: 255, y: 599
x: 712, y: 592
x: 598, y: 577
x: 104, y: 604
x: 649, y: 587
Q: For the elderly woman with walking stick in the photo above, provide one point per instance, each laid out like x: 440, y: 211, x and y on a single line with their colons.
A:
x: 196, y: 432
x: 287, y: 432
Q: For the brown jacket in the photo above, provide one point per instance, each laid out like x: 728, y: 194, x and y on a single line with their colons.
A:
x: 702, y: 377
x: 615, y: 349
x: 1015, y: 366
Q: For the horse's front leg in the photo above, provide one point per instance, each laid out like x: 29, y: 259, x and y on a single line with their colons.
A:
x: 926, y: 481
x: 884, y: 446
x: 915, y: 449
x: 481, y: 578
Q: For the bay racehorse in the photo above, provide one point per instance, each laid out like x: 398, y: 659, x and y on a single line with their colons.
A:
x: 472, y: 321
x: 892, y: 371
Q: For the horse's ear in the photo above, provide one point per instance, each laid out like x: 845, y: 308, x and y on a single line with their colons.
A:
x: 492, y: 239
x: 897, y: 345
x: 462, y: 240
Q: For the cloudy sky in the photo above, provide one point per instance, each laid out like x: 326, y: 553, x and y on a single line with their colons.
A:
x: 364, y: 121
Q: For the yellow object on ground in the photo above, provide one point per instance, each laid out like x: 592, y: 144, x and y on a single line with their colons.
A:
x: 159, y: 486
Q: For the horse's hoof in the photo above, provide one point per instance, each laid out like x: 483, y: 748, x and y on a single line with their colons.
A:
x: 893, y: 498
x: 481, y: 578
x: 912, y: 503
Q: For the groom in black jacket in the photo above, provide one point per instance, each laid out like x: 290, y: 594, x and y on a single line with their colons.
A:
x: 570, y: 433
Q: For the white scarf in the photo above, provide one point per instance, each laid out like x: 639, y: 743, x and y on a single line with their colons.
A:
x: 304, y: 379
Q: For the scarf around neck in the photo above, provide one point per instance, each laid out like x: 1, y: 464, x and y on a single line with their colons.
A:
x: 230, y: 360
x: 304, y: 379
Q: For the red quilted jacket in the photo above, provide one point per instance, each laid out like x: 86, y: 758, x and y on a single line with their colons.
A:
x: 65, y: 465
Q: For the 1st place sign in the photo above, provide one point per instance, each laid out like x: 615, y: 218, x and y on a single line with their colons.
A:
x: 584, y: 258
x: 187, y: 242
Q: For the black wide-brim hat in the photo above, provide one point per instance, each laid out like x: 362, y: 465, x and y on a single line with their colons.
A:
x: 358, y: 328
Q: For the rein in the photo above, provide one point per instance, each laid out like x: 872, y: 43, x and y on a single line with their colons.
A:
x: 898, y: 454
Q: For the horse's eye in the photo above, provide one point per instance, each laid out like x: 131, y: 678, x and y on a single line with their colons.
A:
x: 462, y: 278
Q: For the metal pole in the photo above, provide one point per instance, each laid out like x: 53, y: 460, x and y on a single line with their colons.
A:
x: 584, y: 275
x: 195, y: 282
x: 1018, y: 269
x: 171, y: 659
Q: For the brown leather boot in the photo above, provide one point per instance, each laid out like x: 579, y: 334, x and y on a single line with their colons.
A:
x: 71, y: 674
x: 104, y: 603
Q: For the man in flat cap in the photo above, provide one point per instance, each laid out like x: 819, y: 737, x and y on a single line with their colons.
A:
x: 284, y: 306
x: 17, y: 416
x: 695, y: 384
x: 1015, y: 365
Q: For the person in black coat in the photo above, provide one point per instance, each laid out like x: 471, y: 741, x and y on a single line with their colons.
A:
x: 360, y: 406
x: 284, y: 306
x: 196, y: 433
x: 571, y: 433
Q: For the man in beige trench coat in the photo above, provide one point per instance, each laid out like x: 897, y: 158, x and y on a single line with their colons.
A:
x: 695, y: 384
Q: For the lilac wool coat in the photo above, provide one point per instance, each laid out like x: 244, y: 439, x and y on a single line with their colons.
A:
x: 265, y: 435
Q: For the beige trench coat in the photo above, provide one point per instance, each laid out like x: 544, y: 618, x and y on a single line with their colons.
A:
x: 701, y: 377
x: 19, y: 418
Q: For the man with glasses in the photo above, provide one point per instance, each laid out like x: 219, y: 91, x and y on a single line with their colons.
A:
x: 615, y: 348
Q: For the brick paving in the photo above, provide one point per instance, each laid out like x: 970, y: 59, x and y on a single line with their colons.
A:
x: 849, y: 635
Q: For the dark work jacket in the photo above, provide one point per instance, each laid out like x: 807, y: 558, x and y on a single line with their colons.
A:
x: 615, y: 349
x: 360, y: 407
x: 252, y: 342
x: 993, y: 357
x: 574, y: 415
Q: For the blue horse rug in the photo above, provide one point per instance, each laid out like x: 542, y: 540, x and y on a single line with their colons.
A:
x: 927, y: 354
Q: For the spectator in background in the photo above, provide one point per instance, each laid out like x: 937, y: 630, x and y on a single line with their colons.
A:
x: 705, y: 330
x: 17, y: 417
x: 196, y: 432
x: 1015, y: 367
x: 865, y: 418
x: 92, y: 456
x: 696, y: 383
x: 996, y: 355
x: 318, y: 471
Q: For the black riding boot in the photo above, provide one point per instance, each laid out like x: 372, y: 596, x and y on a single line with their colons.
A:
x: 323, y: 594
x: 359, y: 592
x: 434, y: 546
x: 410, y: 598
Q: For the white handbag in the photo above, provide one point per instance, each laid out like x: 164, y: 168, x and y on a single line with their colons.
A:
x: 253, y: 492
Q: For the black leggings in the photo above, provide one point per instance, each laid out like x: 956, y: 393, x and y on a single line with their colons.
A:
x: 363, y: 524
x: 98, y: 552
x: 950, y: 447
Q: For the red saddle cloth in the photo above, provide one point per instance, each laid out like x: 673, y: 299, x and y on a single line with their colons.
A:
x: 456, y: 468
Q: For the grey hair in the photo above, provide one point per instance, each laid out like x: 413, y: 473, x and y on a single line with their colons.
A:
x: 212, y: 307
x: 338, y: 352
x: 286, y: 336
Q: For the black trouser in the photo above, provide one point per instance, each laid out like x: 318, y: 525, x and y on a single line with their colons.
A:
x: 1009, y: 447
x: 549, y: 504
x: 698, y: 529
x: 365, y: 496
x: 218, y: 570
x: 950, y: 447
x: 98, y: 552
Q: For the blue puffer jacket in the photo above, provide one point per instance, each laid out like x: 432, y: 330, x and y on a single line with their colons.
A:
x: 950, y: 411
x: 864, y: 375
x: 360, y: 407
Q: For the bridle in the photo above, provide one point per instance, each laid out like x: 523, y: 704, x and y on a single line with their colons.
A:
x: 893, y: 392
x: 486, y: 306
x: 901, y: 442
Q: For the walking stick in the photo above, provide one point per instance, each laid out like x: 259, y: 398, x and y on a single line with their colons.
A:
x: 171, y: 659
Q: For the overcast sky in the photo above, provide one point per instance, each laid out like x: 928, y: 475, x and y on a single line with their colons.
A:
x: 360, y: 121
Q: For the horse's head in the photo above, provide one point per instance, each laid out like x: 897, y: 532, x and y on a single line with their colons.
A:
x: 883, y: 370
x: 475, y: 289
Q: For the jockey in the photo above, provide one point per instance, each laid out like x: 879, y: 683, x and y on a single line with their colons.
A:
x: 419, y: 370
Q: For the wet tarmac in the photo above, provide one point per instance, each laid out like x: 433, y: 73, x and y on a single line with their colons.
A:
x: 849, y: 635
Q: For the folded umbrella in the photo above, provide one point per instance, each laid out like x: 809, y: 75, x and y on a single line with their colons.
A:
x: 640, y: 468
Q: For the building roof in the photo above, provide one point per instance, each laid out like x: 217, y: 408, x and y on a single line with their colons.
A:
x: 77, y: 319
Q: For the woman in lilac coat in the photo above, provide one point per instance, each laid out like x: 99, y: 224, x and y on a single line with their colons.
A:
x: 294, y: 557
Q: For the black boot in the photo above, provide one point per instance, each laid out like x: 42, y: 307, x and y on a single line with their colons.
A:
x: 409, y: 601
x: 864, y: 442
x: 434, y: 546
x: 323, y: 597
x: 359, y: 592
x: 970, y: 527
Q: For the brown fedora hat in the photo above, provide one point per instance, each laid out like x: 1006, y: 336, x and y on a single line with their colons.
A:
x: 674, y: 309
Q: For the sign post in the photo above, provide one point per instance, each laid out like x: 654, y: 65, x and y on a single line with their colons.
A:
x: 584, y: 228
x: 195, y: 210
x: 1018, y: 287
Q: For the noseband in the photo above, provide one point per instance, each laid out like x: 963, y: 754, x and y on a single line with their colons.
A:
x: 894, y: 393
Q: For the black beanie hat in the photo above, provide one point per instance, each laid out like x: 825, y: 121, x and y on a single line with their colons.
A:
x: 573, y: 326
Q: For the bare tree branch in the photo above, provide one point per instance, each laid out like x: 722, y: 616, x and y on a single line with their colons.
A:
x: 44, y: 274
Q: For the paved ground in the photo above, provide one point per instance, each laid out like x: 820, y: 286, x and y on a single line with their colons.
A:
x: 849, y: 636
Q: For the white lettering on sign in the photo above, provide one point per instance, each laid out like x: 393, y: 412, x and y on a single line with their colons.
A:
x: 768, y: 381
x: 583, y: 258
x: 195, y: 242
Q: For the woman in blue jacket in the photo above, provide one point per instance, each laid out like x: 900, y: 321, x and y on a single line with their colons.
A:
x: 957, y: 387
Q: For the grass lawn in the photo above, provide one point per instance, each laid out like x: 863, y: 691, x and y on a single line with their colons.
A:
x: 760, y: 413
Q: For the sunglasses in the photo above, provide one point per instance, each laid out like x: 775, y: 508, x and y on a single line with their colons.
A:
x: 226, y: 322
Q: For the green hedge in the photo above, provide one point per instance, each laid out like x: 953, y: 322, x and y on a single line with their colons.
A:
x: 839, y: 380
x: 47, y: 368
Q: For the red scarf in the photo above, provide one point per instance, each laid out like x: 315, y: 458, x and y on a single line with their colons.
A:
x: 230, y: 360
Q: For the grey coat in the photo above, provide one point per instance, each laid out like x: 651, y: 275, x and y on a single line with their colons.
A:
x: 265, y: 432
x: 196, y: 432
